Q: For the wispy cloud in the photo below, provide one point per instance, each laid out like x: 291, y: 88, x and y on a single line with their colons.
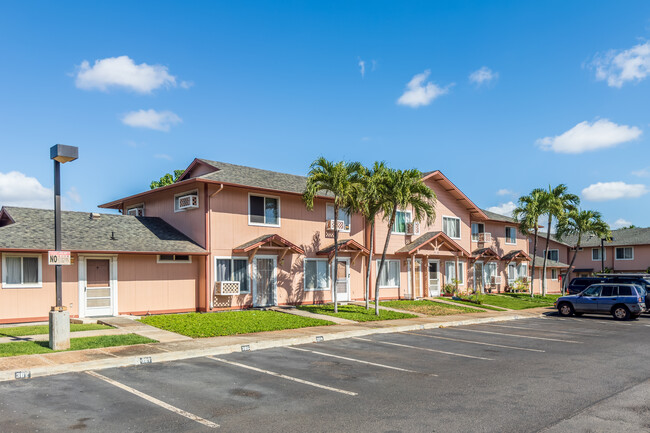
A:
x: 162, y: 156
x: 482, y: 76
x: 585, y: 137
x: 122, y: 72
x: 620, y: 223
x: 505, y: 191
x: 420, y: 92
x: 644, y: 172
x: 604, y: 191
x: 504, y: 208
x: 151, y: 119
x: 619, y: 67
x: 362, y: 68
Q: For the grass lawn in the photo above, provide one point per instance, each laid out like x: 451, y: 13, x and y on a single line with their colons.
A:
x: 19, y: 331
x: 518, y: 301
x: 430, y: 308
x: 197, y: 325
x: 487, y: 307
x: 355, y: 312
x: 32, y: 347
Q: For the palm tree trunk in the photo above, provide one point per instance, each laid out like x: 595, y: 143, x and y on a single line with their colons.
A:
x: 568, y: 272
x: 532, y: 274
x: 336, y: 255
x: 372, y: 241
x: 383, y: 258
x: 548, y: 239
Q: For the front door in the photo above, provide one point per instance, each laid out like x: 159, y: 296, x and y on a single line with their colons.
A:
x: 434, y: 278
x: 98, y: 291
x: 265, y: 281
x: 478, y: 277
x: 417, y: 292
x: 342, y: 285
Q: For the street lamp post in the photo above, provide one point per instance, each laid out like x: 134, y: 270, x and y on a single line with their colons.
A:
x: 59, y: 315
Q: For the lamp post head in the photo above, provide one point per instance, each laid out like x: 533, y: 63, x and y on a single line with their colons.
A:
x: 63, y: 153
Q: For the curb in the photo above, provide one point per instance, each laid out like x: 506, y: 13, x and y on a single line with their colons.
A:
x: 10, y: 375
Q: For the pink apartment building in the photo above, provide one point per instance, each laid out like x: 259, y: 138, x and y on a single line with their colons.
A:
x: 226, y: 236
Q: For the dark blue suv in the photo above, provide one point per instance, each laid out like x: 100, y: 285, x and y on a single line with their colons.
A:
x: 622, y: 301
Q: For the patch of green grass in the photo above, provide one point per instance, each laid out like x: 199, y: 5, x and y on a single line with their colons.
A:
x: 33, y: 347
x: 487, y: 307
x: 518, y: 301
x: 430, y: 308
x: 198, y: 325
x: 19, y: 331
x: 355, y: 312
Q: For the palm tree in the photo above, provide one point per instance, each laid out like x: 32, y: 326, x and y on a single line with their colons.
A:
x: 342, y: 180
x: 371, y: 200
x: 527, y: 214
x: 404, y: 189
x: 579, y: 223
x: 557, y: 202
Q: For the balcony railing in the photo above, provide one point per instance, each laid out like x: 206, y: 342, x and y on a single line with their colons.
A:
x: 329, y: 225
x: 482, y: 237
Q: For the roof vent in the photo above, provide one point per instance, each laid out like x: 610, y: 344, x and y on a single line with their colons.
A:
x: 94, y: 216
x: 113, y: 238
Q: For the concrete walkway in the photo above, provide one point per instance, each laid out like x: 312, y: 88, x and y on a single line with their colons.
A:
x: 456, y: 304
x: 78, y: 334
x: 19, y: 367
x: 303, y: 313
x: 396, y: 310
x: 132, y: 326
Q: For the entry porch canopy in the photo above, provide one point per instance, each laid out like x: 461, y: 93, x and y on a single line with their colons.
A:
x: 268, y: 242
x: 435, y: 243
x: 346, y: 246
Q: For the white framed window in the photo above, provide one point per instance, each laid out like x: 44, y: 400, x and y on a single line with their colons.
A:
x: 233, y: 269
x: 517, y: 271
x: 174, y: 258
x: 490, y: 272
x: 450, y: 272
x: 553, y: 274
x: 343, y: 216
x: 317, y: 276
x: 263, y: 210
x: 476, y: 229
x: 137, y: 210
x: 22, y: 271
x: 553, y: 255
x: 624, y: 253
x: 522, y: 270
x: 595, y: 254
x: 402, y: 218
x: 185, y: 201
x: 389, y: 276
x: 511, y: 235
x: 451, y: 226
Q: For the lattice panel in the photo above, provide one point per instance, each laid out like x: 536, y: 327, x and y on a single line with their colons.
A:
x: 227, y: 288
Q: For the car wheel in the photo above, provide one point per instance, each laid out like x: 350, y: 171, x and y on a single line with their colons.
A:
x: 565, y: 309
x: 620, y: 312
x: 578, y: 314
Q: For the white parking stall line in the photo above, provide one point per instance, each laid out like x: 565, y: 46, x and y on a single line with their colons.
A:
x: 283, y: 376
x: 475, y: 342
x: 423, y: 348
x: 520, y: 336
x: 540, y: 330
x: 390, y: 367
x: 155, y: 401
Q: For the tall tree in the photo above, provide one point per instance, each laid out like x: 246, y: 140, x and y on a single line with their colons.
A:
x: 342, y: 180
x: 578, y: 224
x: 167, y: 179
x: 404, y: 189
x: 527, y: 213
x: 371, y: 200
x: 557, y: 202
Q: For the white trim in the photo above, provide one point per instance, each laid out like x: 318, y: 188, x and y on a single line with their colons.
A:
x: 598, y: 249
x: 326, y: 219
x: 505, y: 230
x: 192, y: 192
x: 347, y: 280
x: 304, y: 275
x: 622, y: 248
x: 410, y: 220
x: 399, y: 273
x: 232, y: 258
x: 81, y: 270
x: 36, y: 285
x: 275, y: 278
x: 460, y: 283
x: 265, y: 196
x: 440, y: 285
x: 159, y: 260
x: 460, y: 229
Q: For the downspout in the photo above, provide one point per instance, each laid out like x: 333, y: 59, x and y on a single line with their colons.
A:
x: 208, y: 258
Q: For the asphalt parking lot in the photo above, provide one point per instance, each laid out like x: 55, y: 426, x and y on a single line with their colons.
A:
x: 517, y: 376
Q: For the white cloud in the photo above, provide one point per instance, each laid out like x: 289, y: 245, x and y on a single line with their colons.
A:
x: 619, y: 223
x: 504, y: 191
x: 418, y: 92
x: 362, y: 68
x: 151, y: 119
x: 644, y: 172
x: 586, y: 136
x: 618, y: 67
x: 17, y: 189
x: 504, y: 209
x: 123, y: 72
x: 603, y: 191
x: 162, y: 156
x: 483, y: 76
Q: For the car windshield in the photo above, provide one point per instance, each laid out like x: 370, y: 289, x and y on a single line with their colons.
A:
x: 592, y: 290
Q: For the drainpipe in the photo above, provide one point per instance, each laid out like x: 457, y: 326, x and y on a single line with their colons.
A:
x: 208, y: 258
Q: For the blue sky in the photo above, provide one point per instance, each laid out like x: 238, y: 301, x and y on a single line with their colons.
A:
x: 558, y: 94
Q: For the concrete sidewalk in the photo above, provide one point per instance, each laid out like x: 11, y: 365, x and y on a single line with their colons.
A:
x: 132, y: 326
x: 78, y: 334
x: 29, y: 366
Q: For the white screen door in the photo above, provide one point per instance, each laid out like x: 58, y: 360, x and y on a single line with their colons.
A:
x: 434, y: 278
x: 342, y: 280
x: 98, y: 288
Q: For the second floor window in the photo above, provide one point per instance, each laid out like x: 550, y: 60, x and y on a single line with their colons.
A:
x: 476, y: 229
x: 451, y: 227
x: 625, y: 253
x: 595, y: 254
x: 511, y: 235
x: 263, y: 210
x: 402, y: 218
x: 343, y: 216
x: 553, y: 255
